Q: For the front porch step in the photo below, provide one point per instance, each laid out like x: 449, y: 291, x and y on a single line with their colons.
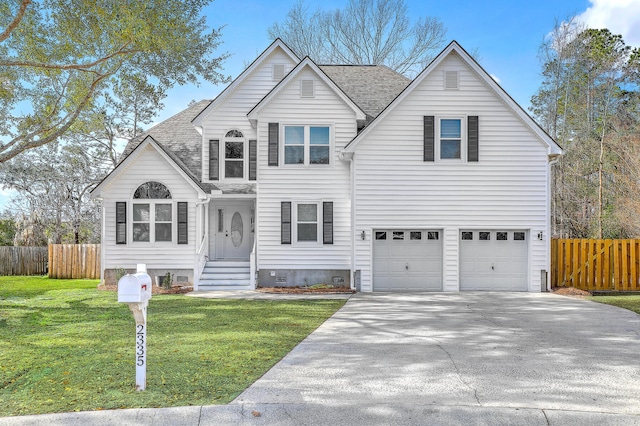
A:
x: 225, y: 275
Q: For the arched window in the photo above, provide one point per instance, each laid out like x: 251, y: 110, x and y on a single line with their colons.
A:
x: 152, y: 220
x: 152, y: 190
x: 234, y: 154
x: 234, y: 134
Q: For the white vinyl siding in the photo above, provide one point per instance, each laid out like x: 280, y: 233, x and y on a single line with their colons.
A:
x: 395, y: 188
x: 148, y: 165
x: 305, y: 184
x: 231, y: 112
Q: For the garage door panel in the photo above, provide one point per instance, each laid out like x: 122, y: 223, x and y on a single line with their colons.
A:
x: 407, y: 260
x: 499, y: 263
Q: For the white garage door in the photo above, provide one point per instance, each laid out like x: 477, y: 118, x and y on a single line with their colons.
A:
x: 493, y: 260
x: 407, y: 260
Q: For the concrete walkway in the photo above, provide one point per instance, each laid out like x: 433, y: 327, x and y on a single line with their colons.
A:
x: 422, y: 359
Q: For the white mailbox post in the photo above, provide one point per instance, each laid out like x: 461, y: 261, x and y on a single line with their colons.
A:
x: 135, y: 290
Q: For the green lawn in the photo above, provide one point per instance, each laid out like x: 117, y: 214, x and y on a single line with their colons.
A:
x: 66, y: 346
x: 630, y: 301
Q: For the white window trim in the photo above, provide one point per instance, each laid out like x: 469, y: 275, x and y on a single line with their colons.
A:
x: 307, y: 144
x: 294, y: 224
x: 463, y: 138
x: 223, y: 159
x: 152, y: 223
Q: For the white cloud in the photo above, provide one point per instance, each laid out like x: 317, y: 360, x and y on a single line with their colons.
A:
x: 618, y: 16
x: 495, y: 78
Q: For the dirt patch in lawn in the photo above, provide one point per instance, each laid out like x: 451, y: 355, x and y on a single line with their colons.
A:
x: 571, y: 291
x: 154, y: 289
x: 305, y: 290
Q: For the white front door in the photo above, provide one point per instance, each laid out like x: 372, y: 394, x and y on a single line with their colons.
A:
x: 232, y: 229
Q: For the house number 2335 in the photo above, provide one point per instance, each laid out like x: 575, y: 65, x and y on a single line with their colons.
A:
x: 140, y: 344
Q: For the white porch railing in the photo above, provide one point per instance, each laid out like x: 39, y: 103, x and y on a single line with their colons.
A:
x: 253, y: 265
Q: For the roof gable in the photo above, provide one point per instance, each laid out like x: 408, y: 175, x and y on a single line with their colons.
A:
x: 277, y: 44
x: 170, y: 157
x: 454, y: 47
x: 305, y: 63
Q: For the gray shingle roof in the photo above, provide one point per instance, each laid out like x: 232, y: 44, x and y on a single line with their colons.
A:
x: 177, y: 135
x: 371, y: 87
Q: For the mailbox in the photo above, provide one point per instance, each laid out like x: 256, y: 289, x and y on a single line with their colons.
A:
x: 134, y: 288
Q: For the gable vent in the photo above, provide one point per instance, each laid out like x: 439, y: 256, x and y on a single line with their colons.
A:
x: 278, y: 72
x: 451, y: 80
x: 306, y: 88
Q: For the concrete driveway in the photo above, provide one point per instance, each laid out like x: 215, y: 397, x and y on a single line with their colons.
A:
x: 521, y: 357
x: 431, y: 359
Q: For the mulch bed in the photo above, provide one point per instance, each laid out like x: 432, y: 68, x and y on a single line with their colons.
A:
x: 282, y: 290
x: 306, y: 290
x: 570, y: 291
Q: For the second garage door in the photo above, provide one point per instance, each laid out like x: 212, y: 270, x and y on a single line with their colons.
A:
x: 407, y: 260
x: 493, y: 260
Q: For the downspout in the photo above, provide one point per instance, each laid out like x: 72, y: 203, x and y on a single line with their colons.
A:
x: 348, y: 156
x: 102, y: 238
x: 553, y: 159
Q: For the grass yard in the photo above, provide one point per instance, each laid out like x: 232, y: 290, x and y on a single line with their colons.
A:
x: 630, y: 301
x: 66, y: 346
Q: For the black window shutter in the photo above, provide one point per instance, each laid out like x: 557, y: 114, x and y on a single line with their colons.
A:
x: 285, y: 222
x: 253, y: 159
x: 121, y: 222
x: 327, y: 222
x: 429, y: 137
x: 183, y: 229
x: 472, y: 138
x: 214, y: 159
x: 273, y: 143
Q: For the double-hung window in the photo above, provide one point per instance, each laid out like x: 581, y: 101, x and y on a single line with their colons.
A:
x: 451, y: 142
x: 155, y: 217
x: 451, y: 138
x: 306, y: 222
x: 307, y: 145
x: 234, y: 155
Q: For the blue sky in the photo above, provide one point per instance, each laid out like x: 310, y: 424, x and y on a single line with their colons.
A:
x: 505, y: 33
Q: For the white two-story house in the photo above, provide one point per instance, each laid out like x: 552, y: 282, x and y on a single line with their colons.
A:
x: 302, y: 174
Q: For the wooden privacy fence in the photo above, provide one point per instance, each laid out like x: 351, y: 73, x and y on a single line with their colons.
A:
x: 596, y: 264
x: 23, y: 260
x: 74, y: 261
